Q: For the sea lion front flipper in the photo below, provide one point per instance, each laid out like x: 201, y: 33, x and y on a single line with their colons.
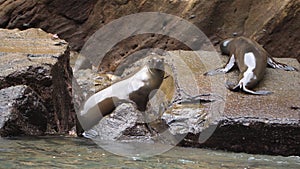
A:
x: 276, y: 65
x: 228, y: 67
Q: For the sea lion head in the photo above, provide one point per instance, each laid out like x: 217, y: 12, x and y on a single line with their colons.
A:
x: 147, y: 82
x: 224, y: 46
x: 156, y: 65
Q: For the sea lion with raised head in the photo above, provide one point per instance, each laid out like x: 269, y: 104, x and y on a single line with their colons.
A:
x: 251, y: 59
x: 135, y: 88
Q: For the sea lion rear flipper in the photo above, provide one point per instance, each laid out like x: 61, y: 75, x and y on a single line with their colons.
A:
x: 228, y: 67
x: 90, y: 134
x: 276, y: 65
x: 260, y: 92
x: 231, y: 86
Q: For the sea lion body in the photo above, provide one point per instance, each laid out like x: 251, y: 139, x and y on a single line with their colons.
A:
x: 251, y: 59
x: 136, y: 88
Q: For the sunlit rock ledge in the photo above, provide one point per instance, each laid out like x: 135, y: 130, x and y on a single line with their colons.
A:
x: 254, y: 124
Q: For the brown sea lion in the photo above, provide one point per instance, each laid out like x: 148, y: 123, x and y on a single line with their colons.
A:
x: 251, y: 59
x: 135, y: 88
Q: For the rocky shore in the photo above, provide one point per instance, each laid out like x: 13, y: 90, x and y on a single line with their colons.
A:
x: 36, y: 76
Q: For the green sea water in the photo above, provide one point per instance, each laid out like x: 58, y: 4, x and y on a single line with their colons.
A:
x: 67, y: 152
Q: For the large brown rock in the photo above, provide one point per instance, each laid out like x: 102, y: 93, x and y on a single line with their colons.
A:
x: 40, y: 61
x: 275, y: 24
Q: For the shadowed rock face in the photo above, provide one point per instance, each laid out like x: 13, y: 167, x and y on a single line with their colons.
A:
x: 40, y: 61
x: 22, y: 112
x: 273, y: 23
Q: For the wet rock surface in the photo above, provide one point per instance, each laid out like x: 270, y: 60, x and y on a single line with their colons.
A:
x: 40, y: 61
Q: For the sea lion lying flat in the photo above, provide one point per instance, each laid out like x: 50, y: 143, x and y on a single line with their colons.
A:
x: 135, y: 88
x: 251, y: 59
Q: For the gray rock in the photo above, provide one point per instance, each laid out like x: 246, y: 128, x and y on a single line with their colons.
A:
x: 21, y: 112
x: 112, y: 127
